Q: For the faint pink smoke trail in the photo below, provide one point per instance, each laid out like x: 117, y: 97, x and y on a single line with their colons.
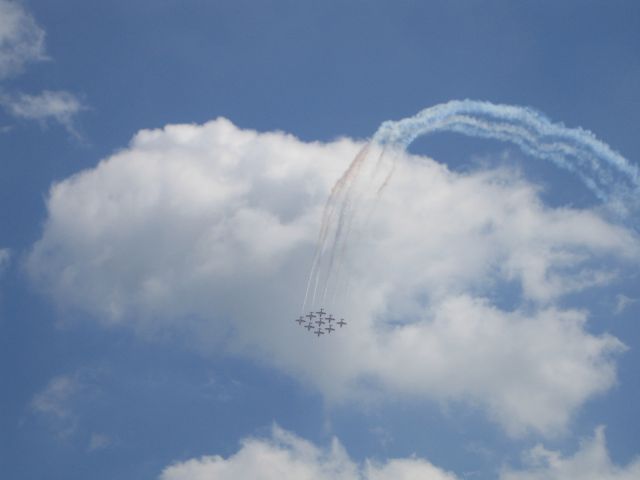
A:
x: 328, y: 214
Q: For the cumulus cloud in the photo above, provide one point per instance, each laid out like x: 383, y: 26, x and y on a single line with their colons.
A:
x: 209, y: 231
x: 530, y: 371
x: 60, y: 107
x: 590, y: 462
x: 21, y: 39
x: 285, y: 456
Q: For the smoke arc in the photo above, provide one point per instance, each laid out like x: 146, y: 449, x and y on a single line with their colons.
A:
x: 612, y: 179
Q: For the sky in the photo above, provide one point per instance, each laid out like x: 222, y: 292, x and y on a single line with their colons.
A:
x: 180, y: 180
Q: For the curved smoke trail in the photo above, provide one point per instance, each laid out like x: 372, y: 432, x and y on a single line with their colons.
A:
x: 612, y: 178
x: 608, y: 174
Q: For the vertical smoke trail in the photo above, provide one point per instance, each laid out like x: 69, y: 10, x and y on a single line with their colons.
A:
x: 354, y: 198
x: 611, y: 178
x: 327, y: 220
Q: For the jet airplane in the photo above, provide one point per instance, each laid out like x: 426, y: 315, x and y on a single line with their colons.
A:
x: 310, y: 316
x: 329, y: 319
x: 319, y: 332
x: 300, y: 320
x: 321, y: 312
x: 329, y: 329
x: 309, y: 326
x: 320, y: 321
x: 342, y: 322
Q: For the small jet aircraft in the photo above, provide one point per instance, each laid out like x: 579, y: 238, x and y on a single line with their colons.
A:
x: 319, y: 332
x: 321, y: 312
x: 310, y: 316
x: 309, y: 326
x: 320, y: 321
x: 330, y: 319
x: 300, y: 320
x: 329, y: 329
x: 342, y: 322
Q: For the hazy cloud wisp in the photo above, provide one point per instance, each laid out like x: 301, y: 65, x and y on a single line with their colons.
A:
x: 22, y: 41
x: 59, y: 106
x: 5, y: 259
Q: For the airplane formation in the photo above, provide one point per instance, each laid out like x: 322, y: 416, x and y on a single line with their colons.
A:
x: 317, y: 326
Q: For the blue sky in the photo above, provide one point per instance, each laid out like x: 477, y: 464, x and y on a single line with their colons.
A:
x: 165, y: 165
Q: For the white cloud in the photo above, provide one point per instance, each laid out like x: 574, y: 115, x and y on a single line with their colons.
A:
x: 529, y: 371
x: 287, y: 457
x: 59, y: 106
x: 21, y: 39
x: 209, y: 231
x: 590, y: 462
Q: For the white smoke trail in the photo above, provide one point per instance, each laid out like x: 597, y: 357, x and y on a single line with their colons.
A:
x: 612, y: 178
